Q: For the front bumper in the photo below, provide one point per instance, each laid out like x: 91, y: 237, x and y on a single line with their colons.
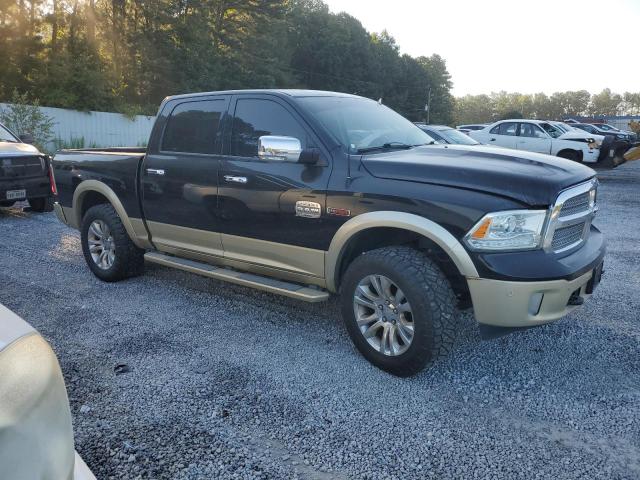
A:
x: 532, y: 288
x: 524, y: 304
x: 35, y: 187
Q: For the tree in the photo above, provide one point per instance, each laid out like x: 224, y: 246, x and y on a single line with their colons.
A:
x: 605, y: 103
x: 26, y: 117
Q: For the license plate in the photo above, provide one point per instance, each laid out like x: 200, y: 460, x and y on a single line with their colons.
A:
x: 16, y: 194
x: 595, y: 278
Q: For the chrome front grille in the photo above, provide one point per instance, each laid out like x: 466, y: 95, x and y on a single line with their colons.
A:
x: 566, y: 236
x: 577, y: 204
x: 571, y: 216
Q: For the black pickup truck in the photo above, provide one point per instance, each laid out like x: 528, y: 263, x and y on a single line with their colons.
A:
x: 307, y: 193
x: 24, y: 173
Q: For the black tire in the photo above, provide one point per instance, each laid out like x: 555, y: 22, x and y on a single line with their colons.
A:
x: 7, y: 203
x: 570, y: 155
x: 129, y: 259
x: 41, y: 205
x: 433, y: 305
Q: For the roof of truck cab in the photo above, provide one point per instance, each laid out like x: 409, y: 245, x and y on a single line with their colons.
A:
x: 281, y: 92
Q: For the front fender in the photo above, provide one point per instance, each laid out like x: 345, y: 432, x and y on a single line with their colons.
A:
x: 403, y: 221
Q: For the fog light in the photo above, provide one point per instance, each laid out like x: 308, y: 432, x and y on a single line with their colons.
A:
x: 535, y: 302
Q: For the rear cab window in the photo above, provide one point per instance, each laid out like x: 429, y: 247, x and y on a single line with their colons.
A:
x: 194, y: 126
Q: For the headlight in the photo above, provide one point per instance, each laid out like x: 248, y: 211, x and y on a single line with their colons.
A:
x: 508, y: 230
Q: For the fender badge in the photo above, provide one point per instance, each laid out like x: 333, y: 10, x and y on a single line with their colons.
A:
x: 308, y: 209
x: 339, y: 212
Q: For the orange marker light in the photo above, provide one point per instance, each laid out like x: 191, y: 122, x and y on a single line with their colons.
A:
x: 482, y: 230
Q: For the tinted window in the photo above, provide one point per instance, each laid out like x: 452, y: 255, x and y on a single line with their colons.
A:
x: 193, y: 127
x: 531, y: 130
x: 506, y: 128
x: 255, y: 118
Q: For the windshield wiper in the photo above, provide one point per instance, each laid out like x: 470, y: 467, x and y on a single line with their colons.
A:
x: 387, y: 146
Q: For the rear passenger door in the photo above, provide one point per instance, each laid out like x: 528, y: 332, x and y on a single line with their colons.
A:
x: 504, y: 134
x: 180, y: 175
x: 533, y: 139
x: 263, y: 220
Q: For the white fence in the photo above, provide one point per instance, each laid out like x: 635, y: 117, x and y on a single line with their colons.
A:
x: 96, y: 129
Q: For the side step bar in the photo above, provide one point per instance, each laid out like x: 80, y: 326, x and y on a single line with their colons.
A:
x: 292, y: 290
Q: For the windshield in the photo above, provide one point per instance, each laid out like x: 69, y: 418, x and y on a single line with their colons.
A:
x: 555, y: 132
x: 458, y: 138
x: 6, y: 135
x: 565, y: 128
x: 362, y: 124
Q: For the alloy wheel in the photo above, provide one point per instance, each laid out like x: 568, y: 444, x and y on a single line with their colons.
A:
x: 383, y: 315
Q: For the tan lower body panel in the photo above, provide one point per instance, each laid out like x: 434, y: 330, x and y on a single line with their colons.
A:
x: 174, y: 238
x: 300, y: 292
x: 286, y: 262
x: 523, y: 304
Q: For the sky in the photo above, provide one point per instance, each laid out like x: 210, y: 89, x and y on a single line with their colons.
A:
x: 527, y: 47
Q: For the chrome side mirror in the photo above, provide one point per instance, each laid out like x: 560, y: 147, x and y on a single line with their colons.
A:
x: 273, y: 148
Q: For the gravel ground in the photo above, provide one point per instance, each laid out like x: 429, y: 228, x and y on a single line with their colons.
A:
x: 171, y: 375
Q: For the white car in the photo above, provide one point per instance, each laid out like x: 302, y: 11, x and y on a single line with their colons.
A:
x: 541, y: 137
x: 36, y: 436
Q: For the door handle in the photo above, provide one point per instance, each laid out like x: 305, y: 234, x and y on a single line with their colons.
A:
x: 234, y: 179
x: 155, y: 171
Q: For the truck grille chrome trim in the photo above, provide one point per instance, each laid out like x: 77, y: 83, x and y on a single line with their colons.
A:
x: 570, y: 217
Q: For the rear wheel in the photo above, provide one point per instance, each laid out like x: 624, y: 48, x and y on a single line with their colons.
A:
x: 107, y: 248
x: 42, y: 204
x: 399, y: 309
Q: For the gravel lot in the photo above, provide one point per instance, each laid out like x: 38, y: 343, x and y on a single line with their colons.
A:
x: 171, y: 375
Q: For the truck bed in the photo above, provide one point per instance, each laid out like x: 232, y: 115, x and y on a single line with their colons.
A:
x: 117, y: 167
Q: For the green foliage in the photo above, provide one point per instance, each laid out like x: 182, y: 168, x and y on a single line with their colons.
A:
x: 23, y: 116
x: 127, y: 55
x: 501, y: 105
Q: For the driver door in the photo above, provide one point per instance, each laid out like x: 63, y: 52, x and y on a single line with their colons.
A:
x: 533, y: 139
x: 261, y: 203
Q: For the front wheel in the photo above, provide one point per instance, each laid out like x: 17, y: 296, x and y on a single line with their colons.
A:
x: 399, y: 309
x: 570, y: 155
x: 107, y: 248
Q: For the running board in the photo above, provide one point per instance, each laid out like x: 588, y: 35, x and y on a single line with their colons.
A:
x: 292, y: 290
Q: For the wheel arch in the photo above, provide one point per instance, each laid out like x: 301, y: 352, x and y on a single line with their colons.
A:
x: 404, y: 222
x: 93, y: 192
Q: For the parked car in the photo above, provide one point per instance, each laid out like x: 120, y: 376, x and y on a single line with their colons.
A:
x: 604, y: 129
x: 36, y: 436
x: 24, y: 173
x: 470, y: 127
x: 306, y: 193
x: 447, y: 135
x: 540, y: 137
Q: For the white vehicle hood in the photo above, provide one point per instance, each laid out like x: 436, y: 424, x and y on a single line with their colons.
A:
x: 17, y: 149
x: 580, y: 136
x: 12, y: 327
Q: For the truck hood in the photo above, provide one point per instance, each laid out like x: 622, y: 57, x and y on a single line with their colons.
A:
x: 10, y: 149
x: 581, y: 136
x: 531, y: 178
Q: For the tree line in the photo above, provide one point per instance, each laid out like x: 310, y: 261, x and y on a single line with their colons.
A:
x: 501, y: 105
x: 127, y: 55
